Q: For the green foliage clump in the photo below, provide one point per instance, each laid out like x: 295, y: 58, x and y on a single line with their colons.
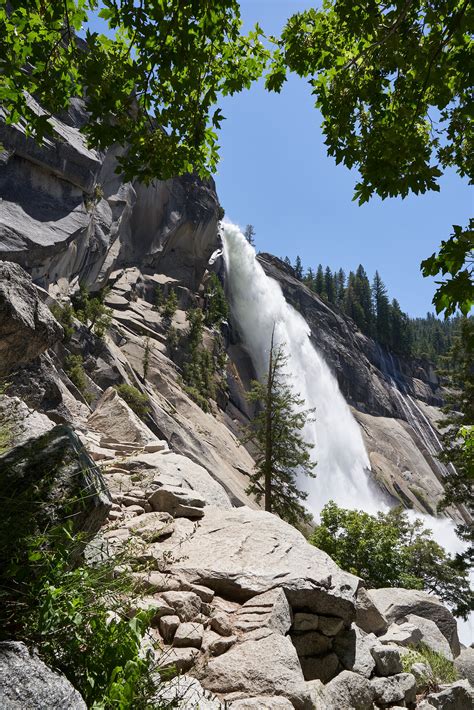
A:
x: 377, y: 72
x: 280, y: 453
x: 92, y: 311
x: 169, y: 308
x: 387, y: 550
x: 442, y: 672
x: 74, y: 368
x: 216, y: 308
x: 199, y: 366
x: 454, y: 259
x: 136, y: 400
x: 157, y: 297
x: 74, y: 614
x: 65, y: 316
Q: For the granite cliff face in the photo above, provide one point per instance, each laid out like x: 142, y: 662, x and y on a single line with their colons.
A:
x: 65, y: 214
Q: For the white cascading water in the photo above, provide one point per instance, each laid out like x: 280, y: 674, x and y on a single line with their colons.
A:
x: 257, y: 305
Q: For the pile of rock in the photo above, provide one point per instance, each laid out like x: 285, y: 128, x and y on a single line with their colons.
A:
x: 262, y: 619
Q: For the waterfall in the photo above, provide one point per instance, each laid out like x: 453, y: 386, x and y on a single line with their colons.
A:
x: 257, y: 304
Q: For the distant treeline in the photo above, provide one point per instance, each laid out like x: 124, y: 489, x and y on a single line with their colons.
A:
x: 378, y: 316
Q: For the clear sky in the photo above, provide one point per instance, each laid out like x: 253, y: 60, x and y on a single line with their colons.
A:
x: 275, y: 174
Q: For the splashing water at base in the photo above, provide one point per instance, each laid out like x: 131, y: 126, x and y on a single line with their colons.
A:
x: 257, y: 304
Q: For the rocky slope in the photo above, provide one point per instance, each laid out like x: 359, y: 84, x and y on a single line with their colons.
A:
x: 250, y: 613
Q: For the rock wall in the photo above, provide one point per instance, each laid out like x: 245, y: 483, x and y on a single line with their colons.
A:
x: 67, y: 216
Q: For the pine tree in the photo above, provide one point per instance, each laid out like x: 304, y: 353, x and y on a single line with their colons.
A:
x: 281, y: 452
x: 298, y: 268
x: 249, y: 234
x: 381, y: 310
x: 340, y: 287
x: 329, y: 286
x: 458, y: 438
x: 364, y: 298
x: 319, y: 281
x: 400, y: 330
x: 309, y: 278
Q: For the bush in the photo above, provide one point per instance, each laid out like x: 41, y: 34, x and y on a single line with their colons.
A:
x: 92, y: 311
x: 137, y: 401
x: 65, y: 316
x: 442, y: 670
x: 73, y: 613
x: 216, y: 308
x: 387, y: 550
x: 169, y: 307
x: 74, y: 368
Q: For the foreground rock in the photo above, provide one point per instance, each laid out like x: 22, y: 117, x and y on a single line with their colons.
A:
x: 241, y: 552
x: 397, y: 604
x: 27, y: 327
x: 464, y: 664
x: 264, y: 665
x: 458, y: 696
x: 27, y: 683
x: 48, y: 480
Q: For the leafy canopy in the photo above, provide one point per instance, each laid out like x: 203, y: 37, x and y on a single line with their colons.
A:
x: 388, y: 550
x: 455, y: 260
x: 390, y: 80
x: 164, y: 59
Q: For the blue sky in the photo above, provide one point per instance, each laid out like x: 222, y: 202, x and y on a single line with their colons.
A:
x: 275, y: 174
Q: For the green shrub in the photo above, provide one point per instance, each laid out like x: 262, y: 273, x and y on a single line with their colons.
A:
x: 137, y: 401
x: 74, y: 614
x: 169, y: 307
x: 92, y: 311
x: 442, y: 670
x: 216, y: 308
x: 65, y: 316
x: 158, y: 297
x: 389, y: 550
x: 74, y: 368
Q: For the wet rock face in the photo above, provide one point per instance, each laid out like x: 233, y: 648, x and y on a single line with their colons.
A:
x: 65, y: 214
x: 26, y: 682
x: 27, y: 327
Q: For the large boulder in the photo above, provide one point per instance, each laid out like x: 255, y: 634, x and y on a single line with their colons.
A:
x: 27, y: 683
x: 48, y: 481
x: 458, y: 696
x: 242, y: 552
x: 264, y: 665
x: 27, y: 327
x: 431, y: 636
x: 176, y: 470
x: 114, y: 419
x: 354, y: 650
x: 464, y: 664
x: 347, y: 690
x: 21, y: 423
x: 396, y: 604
